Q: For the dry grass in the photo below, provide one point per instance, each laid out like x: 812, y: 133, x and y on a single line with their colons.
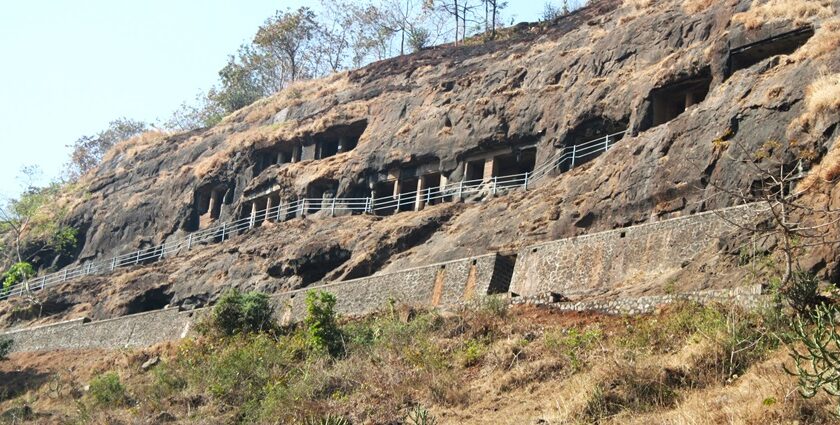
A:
x: 696, y: 6
x: 825, y: 40
x: 827, y: 172
x: 823, y: 95
x: 134, y: 145
x: 799, y: 11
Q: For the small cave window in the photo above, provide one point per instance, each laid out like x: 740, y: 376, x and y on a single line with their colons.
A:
x: 516, y: 163
x: 431, y: 187
x: 671, y: 101
x: 747, y: 55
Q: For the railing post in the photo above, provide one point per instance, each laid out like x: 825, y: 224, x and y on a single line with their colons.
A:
x: 189, y: 241
x: 399, y: 203
x: 87, y: 268
x: 428, y: 195
x: 525, y: 186
x: 495, y: 183
x: 279, y: 208
x: 460, y: 191
x: 64, y: 276
x: 332, y: 208
x: 43, y: 282
x: 574, y: 152
x: 224, y: 227
x: 113, y: 263
x: 137, y: 259
x: 606, y: 143
x: 162, y: 251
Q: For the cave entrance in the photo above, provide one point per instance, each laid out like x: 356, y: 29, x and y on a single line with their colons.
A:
x: 321, y: 196
x: 208, y: 204
x: 590, y: 139
x: 750, y: 54
x: 509, y: 168
x: 431, y: 195
x: 338, y: 139
x: 407, y: 194
x: 383, y: 193
x: 327, y: 148
x: 671, y: 101
x: 474, y: 172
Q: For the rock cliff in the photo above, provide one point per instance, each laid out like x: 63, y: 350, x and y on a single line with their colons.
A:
x: 662, y: 71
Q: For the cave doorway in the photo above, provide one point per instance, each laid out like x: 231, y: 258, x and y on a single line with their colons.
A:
x: 671, y: 101
x: 407, y: 195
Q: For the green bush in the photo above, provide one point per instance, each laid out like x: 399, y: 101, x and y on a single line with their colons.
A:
x: 19, y: 272
x: 107, y: 390
x: 321, y: 327
x: 420, y: 416
x: 242, y: 313
x: 801, y: 292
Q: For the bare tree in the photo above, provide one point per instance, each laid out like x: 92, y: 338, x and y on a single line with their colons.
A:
x: 782, y: 186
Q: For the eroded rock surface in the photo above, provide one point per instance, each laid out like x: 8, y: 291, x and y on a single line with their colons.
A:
x: 605, y: 68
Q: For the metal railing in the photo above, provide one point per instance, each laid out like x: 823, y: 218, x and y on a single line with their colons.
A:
x: 569, y: 157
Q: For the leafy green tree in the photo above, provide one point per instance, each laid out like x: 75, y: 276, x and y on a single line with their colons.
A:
x: 34, y: 220
x: 287, y: 38
x: 321, y: 325
x: 19, y: 272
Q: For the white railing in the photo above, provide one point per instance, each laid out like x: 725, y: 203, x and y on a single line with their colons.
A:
x: 221, y: 232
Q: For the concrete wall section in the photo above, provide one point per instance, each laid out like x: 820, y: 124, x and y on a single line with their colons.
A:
x: 593, y: 264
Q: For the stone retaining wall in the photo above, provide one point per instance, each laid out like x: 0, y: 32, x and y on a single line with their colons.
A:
x: 137, y: 330
x: 437, y: 285
x: 593, y: 264
x: 749, y: 297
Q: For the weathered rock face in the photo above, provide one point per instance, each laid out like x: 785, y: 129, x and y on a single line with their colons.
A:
x: 605, y: 68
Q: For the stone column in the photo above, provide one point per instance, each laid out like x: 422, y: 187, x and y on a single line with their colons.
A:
x: 689, y: 100
x: 253, y: 220
x: 296, y: 153
x: 215, y: 203
x: 489, y: 168
x: 269, y: 214
x: 420, y: 197
x: 281, y: 158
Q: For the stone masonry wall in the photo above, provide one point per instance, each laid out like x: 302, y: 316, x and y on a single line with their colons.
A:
x: 748, y: 297
x: 437, y: 285
x: 137, y: 330
x: 593, y: 264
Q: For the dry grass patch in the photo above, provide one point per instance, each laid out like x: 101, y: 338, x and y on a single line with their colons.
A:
x: 823, y: 95
x: 824, y: 41
x: 696, y: 6
x: 826, y: 172
x: 799, y: 11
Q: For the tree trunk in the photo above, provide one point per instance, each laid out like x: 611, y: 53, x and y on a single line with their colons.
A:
x: 457, y: 24
x: 495, y: 7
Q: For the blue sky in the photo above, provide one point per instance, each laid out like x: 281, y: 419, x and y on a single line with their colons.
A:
x: 70, y: 67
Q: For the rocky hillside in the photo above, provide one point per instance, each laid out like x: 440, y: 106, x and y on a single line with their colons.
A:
x: 610, y: 67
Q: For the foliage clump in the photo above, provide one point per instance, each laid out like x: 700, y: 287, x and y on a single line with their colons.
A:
x: 236, y: 312
x: 322, y: 328
x: 106, y: 390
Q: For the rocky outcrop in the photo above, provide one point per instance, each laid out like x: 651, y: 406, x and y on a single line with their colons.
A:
x: 607, y: 67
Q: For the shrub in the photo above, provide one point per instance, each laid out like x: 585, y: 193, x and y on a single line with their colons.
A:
x: 817, y: 367
x: 19, y: 272
x: 420, y: 416
x: 573, y: 343
x: 236, y: 312
x: 801, y: 292
x: 322, y: 329
x: 5, y: 347
x: 107, y: 390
